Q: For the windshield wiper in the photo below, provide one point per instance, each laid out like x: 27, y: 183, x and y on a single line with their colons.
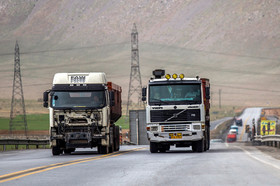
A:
x: 193, y: 102
x: 159, y: 101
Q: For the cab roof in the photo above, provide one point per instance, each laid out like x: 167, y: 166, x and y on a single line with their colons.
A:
x: 80, y: 78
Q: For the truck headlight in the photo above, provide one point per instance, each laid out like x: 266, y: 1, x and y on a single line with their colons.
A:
x: 154, y: 128
x: 196, y: 127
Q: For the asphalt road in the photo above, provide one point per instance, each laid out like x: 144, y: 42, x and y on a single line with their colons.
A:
x: 223, y: 164
x: 247, y: 117
x: 216, y: 123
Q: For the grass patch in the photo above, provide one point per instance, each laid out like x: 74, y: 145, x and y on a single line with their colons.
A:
x: 23, y: 147
x: 123, y: 122
x: 34, y: 122
x: 41, y: 122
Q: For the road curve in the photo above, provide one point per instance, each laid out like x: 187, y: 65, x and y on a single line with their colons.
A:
x: 247, y: 117
x: 216, y: 123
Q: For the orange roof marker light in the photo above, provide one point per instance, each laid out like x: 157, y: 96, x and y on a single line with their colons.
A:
x: 174, y: 76
x: 181, y: 76
x: 167, y: 76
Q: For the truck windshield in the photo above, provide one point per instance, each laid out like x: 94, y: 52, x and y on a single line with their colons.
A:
x: 78, y: 100
x: 179, y: 94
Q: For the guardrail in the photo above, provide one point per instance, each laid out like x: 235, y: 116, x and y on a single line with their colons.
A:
x: 269, y: 140
x: 26, y: 142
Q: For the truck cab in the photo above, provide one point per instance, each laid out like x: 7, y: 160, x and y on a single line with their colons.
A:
x: 82, y: 112
x: 177, y: 112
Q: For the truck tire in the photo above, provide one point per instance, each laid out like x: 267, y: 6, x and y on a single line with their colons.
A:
x: 103, y: 149
x: 200, y: 145
x: 111, y: 148
x: 205, y: 140
x: 56, y: 151
x: 194, y: 147
x: 68, y: 151
x: 208, y: 140
x: 162, y: 150
x: 117, y: 138
x: 153, y: 147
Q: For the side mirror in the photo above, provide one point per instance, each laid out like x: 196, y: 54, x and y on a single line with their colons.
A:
x: 144, y: 94
x: 207, y: 92
x: 46, y: 98
x: 112, y: 98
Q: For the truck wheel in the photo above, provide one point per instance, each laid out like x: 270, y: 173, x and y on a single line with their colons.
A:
x: 162, y: 150
x: 117, y: 138
x: 68, y: 151
x: 103, y: 149
x: 205, y: 141
x: 153, y: 147
x: 56, y: 151
x: 111, y: 148
x: 200, y: 145
x: 194, y: 147
x: 208, y: 141
x: 167, y: 147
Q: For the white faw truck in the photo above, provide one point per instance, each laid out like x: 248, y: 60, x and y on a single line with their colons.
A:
x: 177, y: 112
x: 83, y: 110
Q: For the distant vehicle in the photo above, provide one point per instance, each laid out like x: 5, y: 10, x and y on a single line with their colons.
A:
x: 233, y: 131
x: 239, y: 122
x: 234, y: 127
x: 231, y: 138
x: 216, y: 141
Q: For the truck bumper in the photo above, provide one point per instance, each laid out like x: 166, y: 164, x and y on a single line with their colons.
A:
x: 166, y: 136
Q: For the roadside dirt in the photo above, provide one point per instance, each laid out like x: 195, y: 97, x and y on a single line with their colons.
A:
x: 271, y: 151
x: 271, y: 112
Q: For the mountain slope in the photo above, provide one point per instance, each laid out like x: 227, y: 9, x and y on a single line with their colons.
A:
x: 234, y: 43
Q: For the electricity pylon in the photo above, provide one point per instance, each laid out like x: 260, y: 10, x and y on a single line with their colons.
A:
x: 135, y: 83
x: 17, y: 115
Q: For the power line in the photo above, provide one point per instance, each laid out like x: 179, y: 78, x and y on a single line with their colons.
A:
x: 243, y: 88
x: 243, y: 72
x: 29, y: 85
x: 164, y: 46
x: 220, y: 53
x: 65, y: 49
x: 57, y: 66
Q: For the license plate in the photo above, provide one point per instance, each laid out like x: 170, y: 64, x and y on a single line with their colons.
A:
x: 175, y: 135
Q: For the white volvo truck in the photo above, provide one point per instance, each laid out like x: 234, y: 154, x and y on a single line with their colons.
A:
x: 177, y: 112
x: 83, y: 110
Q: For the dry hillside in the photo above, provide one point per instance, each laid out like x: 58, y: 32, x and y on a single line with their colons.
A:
x: 234, y: 43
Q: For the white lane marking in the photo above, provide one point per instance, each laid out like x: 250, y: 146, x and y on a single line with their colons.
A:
x: 256, y: 158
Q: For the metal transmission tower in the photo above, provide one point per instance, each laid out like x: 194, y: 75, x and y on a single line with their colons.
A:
x: 17, y: 115
x: 135, y: 83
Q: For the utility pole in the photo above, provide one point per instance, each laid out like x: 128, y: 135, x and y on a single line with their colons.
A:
x: 135, y: 83
x: 220, y: 94
x: 17, y: 114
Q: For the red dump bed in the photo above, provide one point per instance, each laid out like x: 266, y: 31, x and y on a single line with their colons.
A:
x: 116, y: 110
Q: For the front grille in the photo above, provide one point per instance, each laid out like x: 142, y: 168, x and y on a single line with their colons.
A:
x: 77, y: 120
x: 173, y: 115
x: 175, y: 128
